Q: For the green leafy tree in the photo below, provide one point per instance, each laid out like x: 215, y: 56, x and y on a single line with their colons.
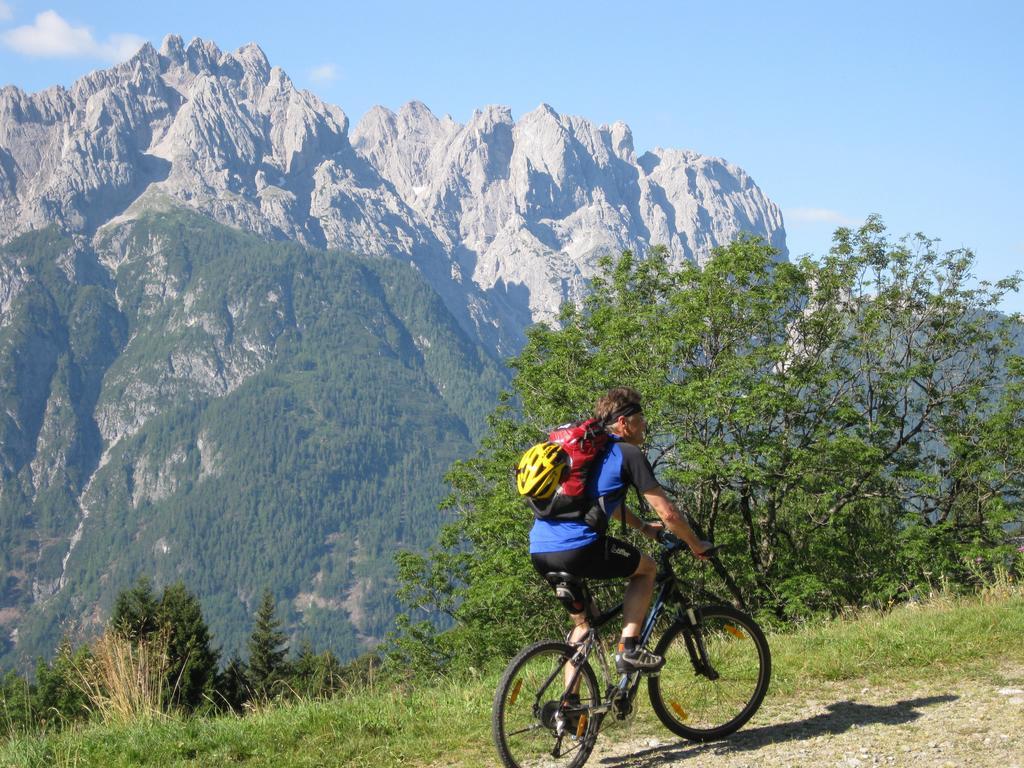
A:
x: 478, y: 575
x: 827, y: 420
x: 192, y: 661
x: 268, y: 647
x: 17, y: 714
x: 59, y: 696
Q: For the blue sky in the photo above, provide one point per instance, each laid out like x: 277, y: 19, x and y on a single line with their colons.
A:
x: 908, y: 109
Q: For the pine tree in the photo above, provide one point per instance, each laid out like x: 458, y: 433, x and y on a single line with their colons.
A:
x: 268, y: 647
x: 192, y: 660
x: 135, y: 611
x: 315, y: 674
x: 232, y: 686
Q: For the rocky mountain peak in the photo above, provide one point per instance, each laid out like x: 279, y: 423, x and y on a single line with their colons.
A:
x: 202, y: 56
x: 416, y: 111
x: 504, y: 217
x: 622, y: 141
x: 146, y: 57
x: 254, y: 59
x: 486, y: 119
x: 173, y: 48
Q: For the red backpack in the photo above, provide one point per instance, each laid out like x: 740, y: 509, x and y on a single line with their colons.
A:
x: 585, y: 442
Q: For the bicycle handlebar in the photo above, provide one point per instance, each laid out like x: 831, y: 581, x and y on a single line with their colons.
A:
x: 672, y: 543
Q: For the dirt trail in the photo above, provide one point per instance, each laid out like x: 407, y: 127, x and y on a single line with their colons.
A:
x: 967, y: 722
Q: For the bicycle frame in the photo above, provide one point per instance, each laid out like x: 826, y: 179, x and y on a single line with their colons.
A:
x: 666, y: 584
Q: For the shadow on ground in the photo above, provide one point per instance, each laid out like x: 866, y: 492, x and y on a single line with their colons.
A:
x: 841, y: 717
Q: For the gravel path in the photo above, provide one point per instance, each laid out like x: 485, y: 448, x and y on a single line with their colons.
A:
x: 935, y: 724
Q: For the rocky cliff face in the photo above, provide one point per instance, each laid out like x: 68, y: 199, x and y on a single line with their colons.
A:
x: 505, y: 218
x: 533, y: 203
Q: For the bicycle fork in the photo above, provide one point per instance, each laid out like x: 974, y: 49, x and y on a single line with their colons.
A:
x: 693, y: 636
x: 694, y: 639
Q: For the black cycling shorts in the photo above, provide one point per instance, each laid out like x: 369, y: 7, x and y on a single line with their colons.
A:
x: 594, y: 561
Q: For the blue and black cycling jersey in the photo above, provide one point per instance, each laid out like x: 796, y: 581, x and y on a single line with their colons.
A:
x: 622, y: 466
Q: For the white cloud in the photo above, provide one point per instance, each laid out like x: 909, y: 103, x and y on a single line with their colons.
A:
x: 51, y: 36
x: 819, y: 216
x: 6, y: 14
x: 325, y: 73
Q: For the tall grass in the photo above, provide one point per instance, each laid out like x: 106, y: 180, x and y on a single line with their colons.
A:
x: 125, y: 680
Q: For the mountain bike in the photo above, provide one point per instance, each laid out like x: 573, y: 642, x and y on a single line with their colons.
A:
x: 548, y: 708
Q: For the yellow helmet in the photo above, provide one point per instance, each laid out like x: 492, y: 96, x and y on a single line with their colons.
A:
x: 541, y: 470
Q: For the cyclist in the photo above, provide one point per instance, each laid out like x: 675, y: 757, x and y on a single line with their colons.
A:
x: 575, y: 547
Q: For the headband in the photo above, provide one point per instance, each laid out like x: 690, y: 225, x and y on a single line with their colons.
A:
x: 629, y: 409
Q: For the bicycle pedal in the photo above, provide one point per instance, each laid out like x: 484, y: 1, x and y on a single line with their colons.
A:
x: 623, y: 708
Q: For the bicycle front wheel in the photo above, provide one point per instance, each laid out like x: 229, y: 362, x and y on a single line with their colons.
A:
x: 536, y: 721
x: 715, y: 676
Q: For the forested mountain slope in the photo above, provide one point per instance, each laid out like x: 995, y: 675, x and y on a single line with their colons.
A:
x: 187, y: 401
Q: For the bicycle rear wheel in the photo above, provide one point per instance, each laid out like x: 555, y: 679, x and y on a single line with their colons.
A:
x: 703, y: 704
x: 531, y: 723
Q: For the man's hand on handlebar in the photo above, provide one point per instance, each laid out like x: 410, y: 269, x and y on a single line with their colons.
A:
x: 677, y: 523
x: 701, y: 549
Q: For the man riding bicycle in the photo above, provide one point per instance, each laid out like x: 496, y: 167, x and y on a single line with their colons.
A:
x: 573, y: 546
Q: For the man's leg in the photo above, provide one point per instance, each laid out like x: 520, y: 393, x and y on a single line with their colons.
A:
x: 581, y: 628
x: 638, y: 596
x: 637, y: 600
x: 568, y: 561
x: 577, y: 634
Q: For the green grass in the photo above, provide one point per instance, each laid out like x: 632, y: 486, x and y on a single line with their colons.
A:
x: 380, y: 728
x: 448, y: 723
x: 942, y: 638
